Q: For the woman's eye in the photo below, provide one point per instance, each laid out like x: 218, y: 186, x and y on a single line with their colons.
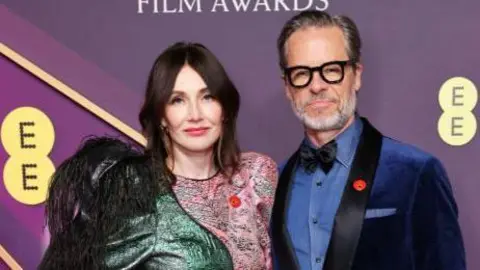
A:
x: 175, y: 100
x: 209, y: 97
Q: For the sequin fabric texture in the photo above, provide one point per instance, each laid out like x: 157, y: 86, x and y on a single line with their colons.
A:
x: 236, y: 210
x: 169, y: 240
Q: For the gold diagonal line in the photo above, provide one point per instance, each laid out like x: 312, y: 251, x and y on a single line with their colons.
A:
x: 72, y: 94
x: 9, y: 259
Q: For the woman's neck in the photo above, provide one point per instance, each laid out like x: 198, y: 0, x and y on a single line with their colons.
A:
x: 194, y: 165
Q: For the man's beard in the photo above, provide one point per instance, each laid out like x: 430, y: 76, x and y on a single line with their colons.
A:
x: 336, y: 121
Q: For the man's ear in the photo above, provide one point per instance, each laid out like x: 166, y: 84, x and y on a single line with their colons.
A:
x: 288, y: 92
x: 357, y: 84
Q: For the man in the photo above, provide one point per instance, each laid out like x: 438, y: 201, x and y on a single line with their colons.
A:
x: 349, y: 197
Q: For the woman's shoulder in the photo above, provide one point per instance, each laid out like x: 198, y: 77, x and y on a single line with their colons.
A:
x: 252, y: 160
x: 96, y: 149
x: 104, y: 174
x: 258, y: 167
x: 111, y: 162
x: 259, y: 171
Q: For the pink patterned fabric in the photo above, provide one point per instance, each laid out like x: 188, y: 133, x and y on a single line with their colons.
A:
x: 237, y: 212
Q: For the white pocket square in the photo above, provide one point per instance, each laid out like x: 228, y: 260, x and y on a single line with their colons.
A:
x: 380, y: 212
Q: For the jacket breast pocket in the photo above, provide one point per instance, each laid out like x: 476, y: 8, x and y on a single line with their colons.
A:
x: 379, y: 212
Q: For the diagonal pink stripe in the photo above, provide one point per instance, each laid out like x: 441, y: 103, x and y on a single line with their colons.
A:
x: 67, y: 66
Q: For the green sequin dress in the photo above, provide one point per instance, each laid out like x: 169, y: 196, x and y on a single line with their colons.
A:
x: 172, y: 240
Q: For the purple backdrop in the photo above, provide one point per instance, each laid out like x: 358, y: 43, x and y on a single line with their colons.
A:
x: 104, y: 49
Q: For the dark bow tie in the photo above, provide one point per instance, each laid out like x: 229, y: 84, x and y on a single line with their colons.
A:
x: 323, y: 156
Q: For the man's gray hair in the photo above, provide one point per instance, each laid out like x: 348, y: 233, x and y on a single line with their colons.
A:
x: 315, y: 18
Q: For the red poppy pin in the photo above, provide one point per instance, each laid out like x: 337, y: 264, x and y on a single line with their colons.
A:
x: 235, y: 201
x: 359, y: 184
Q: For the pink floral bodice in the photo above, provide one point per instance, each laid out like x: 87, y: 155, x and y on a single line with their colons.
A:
x: 237, y: 211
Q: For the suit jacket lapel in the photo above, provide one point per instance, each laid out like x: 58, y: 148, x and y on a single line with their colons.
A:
x: 350, y: 214
x: 282, y: 244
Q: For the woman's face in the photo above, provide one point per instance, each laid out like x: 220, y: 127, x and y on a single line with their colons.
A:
x: 193, y: 118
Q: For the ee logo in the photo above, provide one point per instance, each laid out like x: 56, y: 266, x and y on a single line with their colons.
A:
x: 458, y: 97
x: 27, y: 135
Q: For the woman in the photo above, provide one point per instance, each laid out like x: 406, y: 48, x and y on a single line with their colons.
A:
x: 191, y: 200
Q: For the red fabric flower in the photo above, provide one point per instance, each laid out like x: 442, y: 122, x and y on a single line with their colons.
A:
x: 235, y: 201
x: 359, y: 185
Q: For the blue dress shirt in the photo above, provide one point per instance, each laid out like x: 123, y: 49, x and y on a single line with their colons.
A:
x: 315, y: 199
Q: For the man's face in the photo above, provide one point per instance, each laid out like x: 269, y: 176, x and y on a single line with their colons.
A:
x: 321, y: 105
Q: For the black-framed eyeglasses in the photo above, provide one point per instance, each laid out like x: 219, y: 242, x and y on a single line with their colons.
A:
x: 331, y: 72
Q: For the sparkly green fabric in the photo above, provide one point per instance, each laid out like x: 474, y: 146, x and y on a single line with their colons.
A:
x: 170, y: 239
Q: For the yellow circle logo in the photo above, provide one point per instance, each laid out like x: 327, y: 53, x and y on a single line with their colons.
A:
x: 27, y: 135
x: 458, y: 94
x: 27, y: 179
x: 457, y: 127
x: 458, y: 97
x: 27, y: 131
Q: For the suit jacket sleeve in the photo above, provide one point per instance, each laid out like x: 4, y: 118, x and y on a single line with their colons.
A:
x: 437, y: 237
